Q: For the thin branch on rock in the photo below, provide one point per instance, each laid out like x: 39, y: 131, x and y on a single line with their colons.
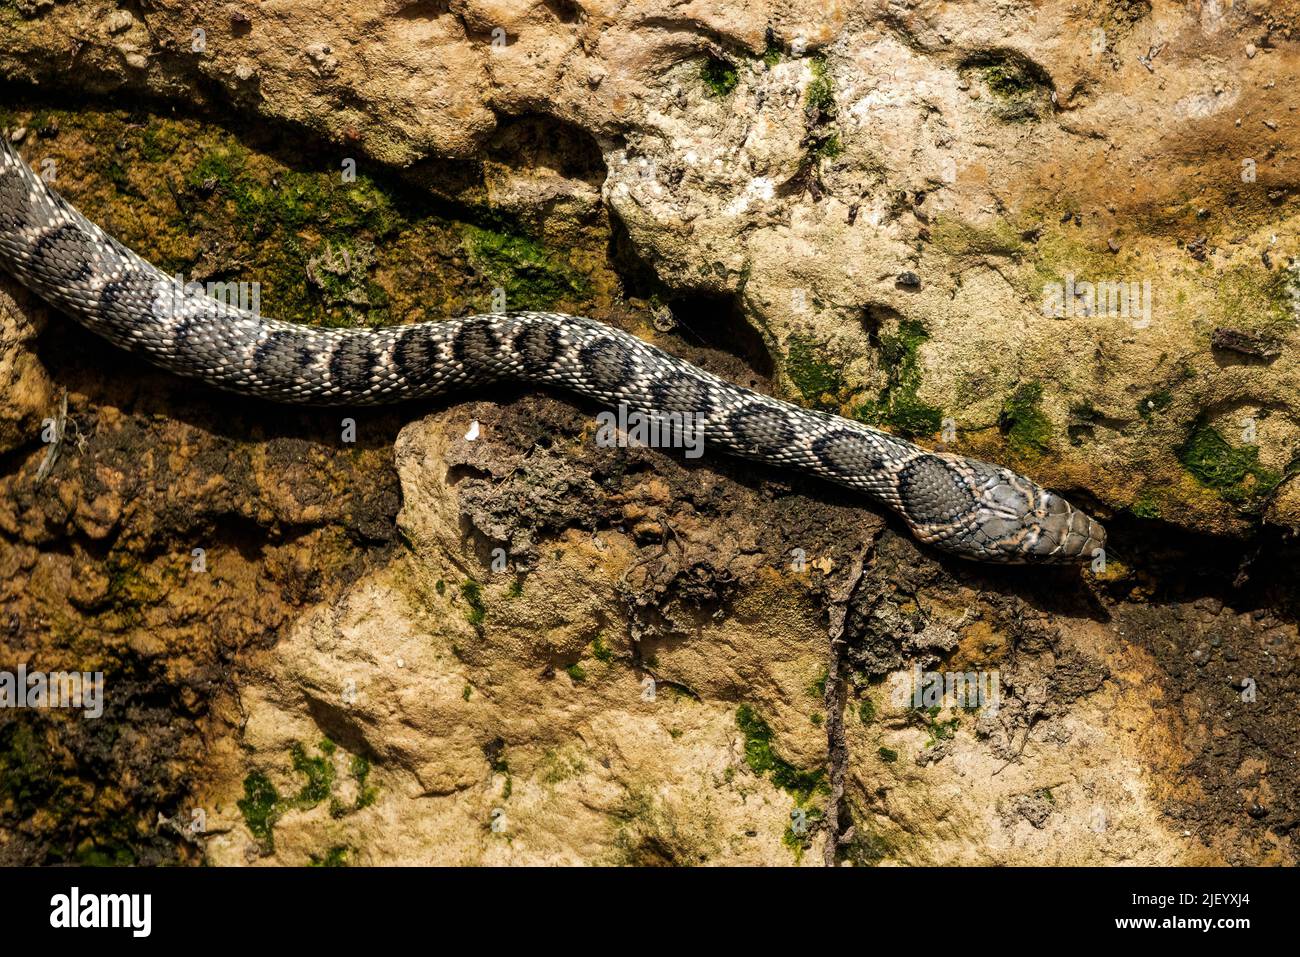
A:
x: 837, y: 751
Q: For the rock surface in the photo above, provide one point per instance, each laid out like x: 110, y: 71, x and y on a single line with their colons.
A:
x: 896, y: 211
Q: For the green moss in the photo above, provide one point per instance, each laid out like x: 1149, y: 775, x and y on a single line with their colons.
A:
x: 27, y: 773
x: 867, y: 848
x: 818, y: 381
x: 772, y: 52
x: 340, y: 276
x: 1252, y: 296
x: 159, y: 141
x: 1235, y: 473
x: 830, y: 147
x: 906, y: 415
x: 1017, y: 92
x: 888, y: 755
x: 959, y: 238
x: 1154, y: 402
x: 45, y: 793
x: 129, y: 588
x: 1028, y: 431
x: 601, y: 651
x: 560, y: 765
x: 472, y: 592
x: 651, y: 832
x: 719, y: 76
x: 531, y: 277
x: 763, y: 759
x: 798, y: 841
x: 366, y: 793
x: 1145, y: 506
x: 292, y: 199
x: 319, y: 774
x: 324, y: 229
x: 897, y: 407
x: 939, y: 730
x: 91, y: 854
x: 516, y: 589
x: 820, y: 95
x: 1007, y: 81
x: 867, y: 711
x: 336, y: 856
x: 576, y: 672
x: 115, y: 173
x: 260, y: 807
x: 466, y: 692
x: 326, y: 248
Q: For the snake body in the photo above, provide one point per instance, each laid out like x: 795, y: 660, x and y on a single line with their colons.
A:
x: 957, y: 504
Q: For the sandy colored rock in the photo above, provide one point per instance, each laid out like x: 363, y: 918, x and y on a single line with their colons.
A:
x: 914, y: 214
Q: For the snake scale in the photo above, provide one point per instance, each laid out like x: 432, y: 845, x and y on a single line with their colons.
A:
x: 957, y: 504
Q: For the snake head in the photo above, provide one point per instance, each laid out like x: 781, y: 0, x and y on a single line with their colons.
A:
x: 992, y: 514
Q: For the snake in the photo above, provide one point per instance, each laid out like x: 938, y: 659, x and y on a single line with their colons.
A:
x: 956, y: 505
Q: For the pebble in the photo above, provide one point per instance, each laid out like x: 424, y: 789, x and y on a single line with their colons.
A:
x: 17, y: 135
x: 1113, y: 245
x: 1250, y: 51
x: 119, y: 21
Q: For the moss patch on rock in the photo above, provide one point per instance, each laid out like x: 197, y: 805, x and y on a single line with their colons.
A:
x: 720, y: 77
x: 532, y: 276
x: 956, y: 237
x: 476, y: 611
x: 262, y: 805
x: 1027, y: 430
x: 1019, y: 90
x: 259, y: 807
x: 762, y: 758
x: 336, y: 856
x: 820, y: 94
x: 820, y: 380
x: 330, y: 239
x: 1251, y: 296
x: 1234, y: 472
x: 897, y: 407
